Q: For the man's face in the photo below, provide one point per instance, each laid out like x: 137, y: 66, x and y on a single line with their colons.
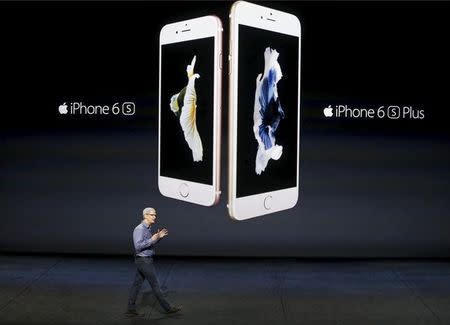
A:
x: 150, y: 217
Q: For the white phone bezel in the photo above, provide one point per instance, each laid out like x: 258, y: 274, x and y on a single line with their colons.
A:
x: 197, y: 28
x: 249, y: 14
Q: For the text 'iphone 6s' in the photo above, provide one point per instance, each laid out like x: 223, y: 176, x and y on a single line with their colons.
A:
x: 264, y: 110
x: 189, y: 110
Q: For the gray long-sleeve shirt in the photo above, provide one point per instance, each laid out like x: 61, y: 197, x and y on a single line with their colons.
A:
x: 142, y: 238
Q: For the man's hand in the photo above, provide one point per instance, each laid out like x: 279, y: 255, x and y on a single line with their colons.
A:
x: 160, y: 234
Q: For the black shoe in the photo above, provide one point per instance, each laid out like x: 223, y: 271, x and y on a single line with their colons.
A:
x: 133, y: 313
x: 173, y: 310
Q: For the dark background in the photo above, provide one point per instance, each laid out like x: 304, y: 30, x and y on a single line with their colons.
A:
x: 176, y: 156
x: 367, y: 187
x: 278, y: 174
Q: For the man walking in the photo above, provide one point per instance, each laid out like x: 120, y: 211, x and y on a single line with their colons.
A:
x: 144, y: 243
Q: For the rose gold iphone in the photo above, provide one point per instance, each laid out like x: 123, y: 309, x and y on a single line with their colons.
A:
x: 190, y: 54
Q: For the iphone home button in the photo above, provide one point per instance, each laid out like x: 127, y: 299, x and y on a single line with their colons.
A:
x: 268, y: 202
x: 184, y: 190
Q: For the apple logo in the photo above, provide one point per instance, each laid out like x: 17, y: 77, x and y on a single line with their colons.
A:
x: 62, y: 109
x: 328, y: 111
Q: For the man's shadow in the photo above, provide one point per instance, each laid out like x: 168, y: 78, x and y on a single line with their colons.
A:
x: 149, y: 299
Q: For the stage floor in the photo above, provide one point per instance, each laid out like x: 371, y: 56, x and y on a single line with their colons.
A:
x: 94, y: 290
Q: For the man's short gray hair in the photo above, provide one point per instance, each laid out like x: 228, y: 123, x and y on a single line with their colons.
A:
x: 148, y: 210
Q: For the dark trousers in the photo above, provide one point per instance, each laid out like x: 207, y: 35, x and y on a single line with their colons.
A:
x: 145, y: 270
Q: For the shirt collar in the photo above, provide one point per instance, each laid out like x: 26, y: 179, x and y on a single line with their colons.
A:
x: 144, y: 224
